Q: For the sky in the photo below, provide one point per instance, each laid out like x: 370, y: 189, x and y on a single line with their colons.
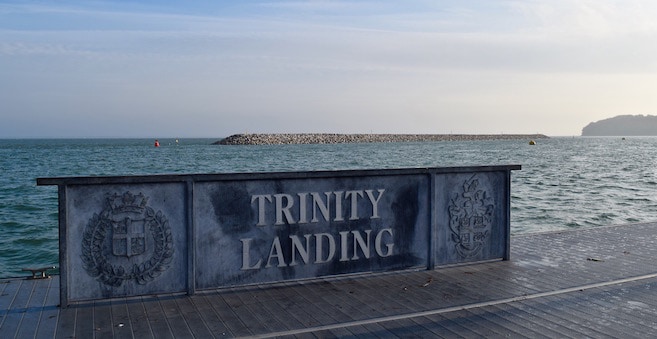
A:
x: 163, y: 68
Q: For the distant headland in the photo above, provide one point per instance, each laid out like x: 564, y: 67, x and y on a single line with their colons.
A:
x: 329, y: 138
x: 623, y: 125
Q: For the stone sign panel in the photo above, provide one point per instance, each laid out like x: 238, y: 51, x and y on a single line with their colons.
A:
x: 272, y: 230
x: 120, y: 239
x: 141, y: 235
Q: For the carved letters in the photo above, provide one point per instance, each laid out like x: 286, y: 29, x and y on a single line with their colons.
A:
x: 332, y: 207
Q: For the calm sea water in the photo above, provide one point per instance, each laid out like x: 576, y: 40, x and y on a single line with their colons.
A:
x: 564, y: 183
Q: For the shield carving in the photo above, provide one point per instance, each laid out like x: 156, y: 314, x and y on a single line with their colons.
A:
x: 128, y: 238
x: 471, y: 218
x: 127, y: 241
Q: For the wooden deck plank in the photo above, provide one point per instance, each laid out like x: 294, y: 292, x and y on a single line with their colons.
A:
x: 512, y: 321
x: 375, y: 330
x: 318, y: 310
x: 353, y: 331
x: 579, y: 307
x: 248, y: 320
x: 521, y: 325
x: 101, y: 323
x: 522, y: 322
x: 309, y: 297
x: 639, y: 309
x: 17, y: 308
x: 66, y: 323
x: 8, y: 290
x: 434, y: 324
x: 478, y: 329
x: 600, y: 305
x: 254, y: 301
x: 174, y: 316
x: 296, y: 306
x: 328, y: 298
x: 3, y: 286
x: 344, y: 301
x: 557, y: 320
x: 336, y: 333
x: 372, y: 292
x: 341, y: 305
x: 388, y: 303
x: 215, y: 324
x: 449, y: 325
x: 230, y: 319
x: 30, y: 322
x: 193, y: 319
x: 362, y: 305
x: 504, y: 292
x: 120, y: 319
x: 138, y: 319
x: 441, y: 287
x: 481, y: 282
x: 492, y: 325
x: 505, y: 327
x: 278, y: 307
x: 49, y: 314
x: 551, y: 305
x: 156, y: 317
x: 535, y: 294
x: 407, y: 328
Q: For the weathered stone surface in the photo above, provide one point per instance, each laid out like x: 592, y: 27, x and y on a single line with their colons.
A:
x: 328, y: 138
x: 125, y: 240
x: 144, y: 235
x: 332, y: 226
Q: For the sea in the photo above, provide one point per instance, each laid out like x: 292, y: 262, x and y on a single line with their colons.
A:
x: 565, y: 182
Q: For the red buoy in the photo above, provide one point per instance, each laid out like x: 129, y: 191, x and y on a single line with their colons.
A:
x: 157, y: 143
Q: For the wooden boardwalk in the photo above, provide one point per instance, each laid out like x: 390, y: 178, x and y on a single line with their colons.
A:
x: 598, y: 283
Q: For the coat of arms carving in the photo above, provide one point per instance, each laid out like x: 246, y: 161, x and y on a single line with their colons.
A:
x: 128, y: 240
x: 470, y: 219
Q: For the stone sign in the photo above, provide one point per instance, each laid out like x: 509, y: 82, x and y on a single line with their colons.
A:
x: 142, y: 235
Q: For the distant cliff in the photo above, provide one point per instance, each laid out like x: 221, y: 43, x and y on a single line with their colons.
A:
x: 623, y: 125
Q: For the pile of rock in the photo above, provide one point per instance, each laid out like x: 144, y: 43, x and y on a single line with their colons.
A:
x: 328, y: 138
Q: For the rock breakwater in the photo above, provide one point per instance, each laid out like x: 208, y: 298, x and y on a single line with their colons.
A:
x: 328, y: 138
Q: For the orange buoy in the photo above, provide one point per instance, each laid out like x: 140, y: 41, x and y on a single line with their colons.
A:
x: 157, y: 143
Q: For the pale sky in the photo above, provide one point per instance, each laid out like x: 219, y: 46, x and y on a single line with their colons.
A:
x: 214, y: 68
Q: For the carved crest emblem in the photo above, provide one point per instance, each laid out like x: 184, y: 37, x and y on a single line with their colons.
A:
x: 128, y: 238
x: 127, y: 241
x: 470, y: 218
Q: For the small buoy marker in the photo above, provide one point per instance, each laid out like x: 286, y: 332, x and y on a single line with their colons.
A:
x: 157, y: 143
x: 532, y: 142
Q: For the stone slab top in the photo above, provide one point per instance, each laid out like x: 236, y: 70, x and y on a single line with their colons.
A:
x: 162, y: 178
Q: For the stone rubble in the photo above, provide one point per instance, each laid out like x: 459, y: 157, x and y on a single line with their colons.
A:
x: 329, y: 138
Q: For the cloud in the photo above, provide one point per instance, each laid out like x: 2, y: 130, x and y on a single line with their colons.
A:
x: 338, y: 66
x: 589, y: 17
x: 547, y: 37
